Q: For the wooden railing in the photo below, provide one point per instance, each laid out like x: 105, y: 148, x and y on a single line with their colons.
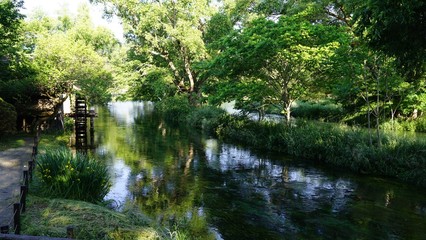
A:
x: 19, y: 207
x: 14, y: 224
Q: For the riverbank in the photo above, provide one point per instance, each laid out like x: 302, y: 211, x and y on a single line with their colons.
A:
x: 50, y: 216
x: 335, y: 145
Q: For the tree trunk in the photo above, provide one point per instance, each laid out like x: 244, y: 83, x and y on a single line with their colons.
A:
x: 379, y: 140
x: 369, y: 117
x: 287, y: 109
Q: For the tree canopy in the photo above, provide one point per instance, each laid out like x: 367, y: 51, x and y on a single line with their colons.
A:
x: 398, y: 28
x: 368, y: 57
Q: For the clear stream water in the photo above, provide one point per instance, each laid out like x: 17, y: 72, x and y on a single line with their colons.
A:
x: 173, y: 173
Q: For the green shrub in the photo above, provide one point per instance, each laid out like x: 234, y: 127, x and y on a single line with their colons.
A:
x: 7, y: 117
x: 322, y: 110
x: 417, y: 125
x: 205, y: 118
x: 421, y: 124
x: 64, y: 175
x: 392, y: 126
x: 174, y: 109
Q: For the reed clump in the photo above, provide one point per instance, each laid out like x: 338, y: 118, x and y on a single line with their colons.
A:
x: 62, y: 174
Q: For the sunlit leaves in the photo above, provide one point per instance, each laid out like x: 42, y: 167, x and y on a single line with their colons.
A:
x: 170, y: 35
x: 285, y: 55
x: 70, y: 53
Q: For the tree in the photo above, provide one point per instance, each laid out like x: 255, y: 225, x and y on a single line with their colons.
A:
x: 284, y: 54
x: 16, y: 71
x: 397, y: 28
x: 169, y: 34
x: 70, y: 53
x: 10, y: 23
x: 376, y: 28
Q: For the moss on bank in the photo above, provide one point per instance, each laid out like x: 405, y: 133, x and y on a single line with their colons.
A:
x: 51, y: 217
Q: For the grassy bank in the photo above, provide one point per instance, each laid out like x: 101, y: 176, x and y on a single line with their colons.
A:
x: 51, y: 217
x: 60, y: 175
x: 336, y: 145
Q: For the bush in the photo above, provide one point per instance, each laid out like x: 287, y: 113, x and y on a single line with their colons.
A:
x: 417, y: 125
x: 64, y: 175
x: 174, y: 109
x: 421, y: 124
x: 322, y: 110
x: 7, y: 117
x: 205, y: 118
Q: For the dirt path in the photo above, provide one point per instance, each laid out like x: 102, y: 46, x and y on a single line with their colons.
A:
x: 12, y: 162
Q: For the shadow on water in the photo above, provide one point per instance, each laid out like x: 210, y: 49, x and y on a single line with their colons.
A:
x: 173, y: 175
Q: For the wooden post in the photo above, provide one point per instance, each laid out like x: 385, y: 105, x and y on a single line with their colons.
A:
x: 17, y: 218
x: 4, y: 229
x: 35, y: 150
x: 30, y: 169
x: 70, y: 232
x: 24, y: 191
x: 92, y: 128
x: 26, y: 177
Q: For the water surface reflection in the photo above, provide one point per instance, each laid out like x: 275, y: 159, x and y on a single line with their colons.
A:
x: 172, y: 173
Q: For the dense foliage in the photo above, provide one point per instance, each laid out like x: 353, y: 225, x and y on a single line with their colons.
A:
x: 367, y: 57
x: 16, y: 71
x: 84, y: 65
x: 269, y: 54
x: 7, y: 117
x: 43, y: 60
x: 398, y: 28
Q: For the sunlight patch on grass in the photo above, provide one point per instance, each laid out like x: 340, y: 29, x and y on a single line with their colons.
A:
x: 13, y: 141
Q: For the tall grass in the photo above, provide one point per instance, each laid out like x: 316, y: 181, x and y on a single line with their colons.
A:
x: 64, y: 175
x: 336, y: 145
x: 321, y: 110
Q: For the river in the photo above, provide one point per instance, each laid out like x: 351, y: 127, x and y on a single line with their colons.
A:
x: 173, y: 173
